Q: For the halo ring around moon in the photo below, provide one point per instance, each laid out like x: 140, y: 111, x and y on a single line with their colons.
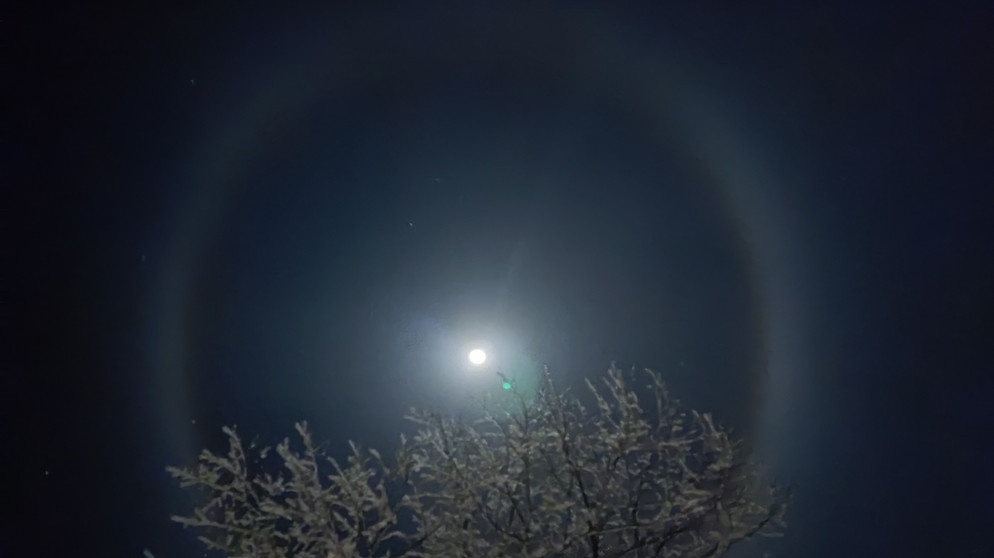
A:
x: 655, y: 85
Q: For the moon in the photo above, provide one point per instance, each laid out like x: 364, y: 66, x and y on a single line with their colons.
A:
x: 477, y: 356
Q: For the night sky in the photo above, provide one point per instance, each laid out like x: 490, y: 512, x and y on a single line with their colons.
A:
x: 233, y: 213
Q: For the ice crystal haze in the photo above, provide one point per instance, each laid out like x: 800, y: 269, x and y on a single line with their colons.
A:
x: 553, y: 478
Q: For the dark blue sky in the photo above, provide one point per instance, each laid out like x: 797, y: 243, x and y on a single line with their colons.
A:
x: 250, y: 215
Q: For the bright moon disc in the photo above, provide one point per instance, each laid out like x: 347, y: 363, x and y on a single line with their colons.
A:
x: 477, y: 356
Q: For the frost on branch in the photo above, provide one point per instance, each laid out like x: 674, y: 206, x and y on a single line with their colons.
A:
x: 624, y: 478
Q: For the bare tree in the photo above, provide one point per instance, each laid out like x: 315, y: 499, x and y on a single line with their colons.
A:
x: 551, y: 478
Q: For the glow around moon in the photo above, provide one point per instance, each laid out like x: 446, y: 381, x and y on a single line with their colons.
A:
x: 477, y: 356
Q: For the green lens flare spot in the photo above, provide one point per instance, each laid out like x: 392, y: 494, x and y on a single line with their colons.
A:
x: 506, y: 385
